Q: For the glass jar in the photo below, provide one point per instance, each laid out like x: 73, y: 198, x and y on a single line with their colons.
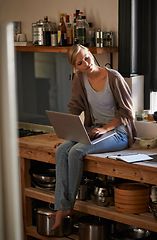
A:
x: 108, y: 39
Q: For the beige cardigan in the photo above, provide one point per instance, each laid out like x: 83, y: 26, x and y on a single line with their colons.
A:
x: 122, y: 97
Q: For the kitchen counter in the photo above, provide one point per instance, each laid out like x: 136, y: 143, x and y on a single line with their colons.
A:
x: 39, y: 148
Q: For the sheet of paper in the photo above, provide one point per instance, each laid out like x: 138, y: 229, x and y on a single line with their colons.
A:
x: 132, y: 158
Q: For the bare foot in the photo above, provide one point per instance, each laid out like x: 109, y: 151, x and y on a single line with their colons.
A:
x: 59, y: 216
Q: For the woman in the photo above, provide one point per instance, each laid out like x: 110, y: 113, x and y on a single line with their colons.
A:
x: 105, y: 98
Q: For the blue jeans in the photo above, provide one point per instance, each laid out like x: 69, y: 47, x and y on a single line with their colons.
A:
x: 69, y: 165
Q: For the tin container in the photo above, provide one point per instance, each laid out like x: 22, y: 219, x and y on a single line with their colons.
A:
x: 37, y: 33
x: 108, y: 39
x: 54, y: 36
x: 54, y: 39
x: 98, y: 38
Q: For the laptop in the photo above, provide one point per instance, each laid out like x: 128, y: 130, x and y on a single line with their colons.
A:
x: 71, y: 127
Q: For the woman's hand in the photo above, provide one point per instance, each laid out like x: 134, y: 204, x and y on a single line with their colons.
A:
x: 96, y: 132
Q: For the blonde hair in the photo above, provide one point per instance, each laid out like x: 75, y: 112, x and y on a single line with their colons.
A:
x: 73, y: 52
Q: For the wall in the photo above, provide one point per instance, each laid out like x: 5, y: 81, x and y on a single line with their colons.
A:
x: 103, y: 14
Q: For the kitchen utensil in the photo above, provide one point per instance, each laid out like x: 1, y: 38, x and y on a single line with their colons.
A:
x: 43, y: 178
x: 147, y: 142
x: 131, y: 197
x: 92, y: 228
x: 50, y: 186
x: 43, y: 174
x: 102, y: 191
x: 82, y: 192
x: 153, y: 209
x: 102, y: 201
x: 131, y: 234
x: 44, y: 223
x: 153, y: 193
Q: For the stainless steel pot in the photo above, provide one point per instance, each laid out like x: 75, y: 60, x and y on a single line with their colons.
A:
x: 92, y: 228
x: 102, y: 201
x: 82, y: 193
x: 44, y: 224
x: 102, y: 191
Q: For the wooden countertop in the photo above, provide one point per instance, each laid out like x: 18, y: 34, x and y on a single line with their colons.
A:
x: 41, y: 148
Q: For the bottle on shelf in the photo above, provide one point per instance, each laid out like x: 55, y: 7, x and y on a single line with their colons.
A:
x: 82, y: 30
x: 68, y: 31
x: 91, y: 39
x: 54, y: 37
x: 46, y: 32
x: 62, y: 31
x: 86, y: 35
x: 74, y: 27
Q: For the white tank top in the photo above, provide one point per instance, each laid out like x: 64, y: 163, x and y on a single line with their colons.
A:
x: 102, y: 103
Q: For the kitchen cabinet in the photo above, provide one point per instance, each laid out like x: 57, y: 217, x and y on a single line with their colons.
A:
x: 40, y: 149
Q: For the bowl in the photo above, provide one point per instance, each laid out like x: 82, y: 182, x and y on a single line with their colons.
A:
x: 43, y: 178
x: 147, y: 142
x: 131, y: 234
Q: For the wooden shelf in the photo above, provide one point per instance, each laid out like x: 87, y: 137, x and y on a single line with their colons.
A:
x: 145, y: 220
x: 62, y: 49
x: 32, y: 231
x: 39, y: 148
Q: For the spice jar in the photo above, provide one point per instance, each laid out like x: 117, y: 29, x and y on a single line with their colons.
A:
x: 98, y: 38
x: 108, y: 39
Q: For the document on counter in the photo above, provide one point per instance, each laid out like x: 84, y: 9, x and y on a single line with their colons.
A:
x: 131, y: 158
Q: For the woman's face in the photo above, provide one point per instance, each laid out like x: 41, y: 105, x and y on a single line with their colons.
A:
x: 84, y: 61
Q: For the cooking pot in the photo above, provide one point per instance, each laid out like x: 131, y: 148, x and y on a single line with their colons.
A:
x: 102, y: 201
x: 147, y: 142
x: 102, y: 196
x: 92, y: 228
x: 82, y: 193
x: 44, y: 223
x: 102, y: 191
x: 43, y: 177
